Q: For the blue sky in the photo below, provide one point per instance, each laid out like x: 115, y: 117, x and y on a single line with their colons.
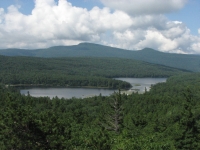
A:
x: 190, y: 15
x: 168, y: 26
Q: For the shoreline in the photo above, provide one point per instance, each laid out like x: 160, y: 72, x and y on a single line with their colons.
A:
x: 59, y: 86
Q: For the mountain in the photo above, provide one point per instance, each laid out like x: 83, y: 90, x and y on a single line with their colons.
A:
x: 181, y: 61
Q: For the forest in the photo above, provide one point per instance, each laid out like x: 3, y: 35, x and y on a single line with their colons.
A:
x: 165, y: 118
x: 79, y: 71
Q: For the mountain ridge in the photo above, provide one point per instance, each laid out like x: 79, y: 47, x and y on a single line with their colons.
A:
x: 182, y: 61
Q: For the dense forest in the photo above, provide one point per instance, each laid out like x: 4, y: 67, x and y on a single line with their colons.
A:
x: 165, y: 118
x: 93, y: 72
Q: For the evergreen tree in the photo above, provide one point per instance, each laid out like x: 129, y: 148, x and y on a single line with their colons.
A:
x: 114, y: 118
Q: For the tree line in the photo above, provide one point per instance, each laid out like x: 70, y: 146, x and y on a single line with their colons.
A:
x: 96, y: 72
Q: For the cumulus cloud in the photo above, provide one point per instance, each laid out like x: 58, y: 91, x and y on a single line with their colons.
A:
x: 173, y: 37
x: 135, y: 7
x: 50, y: 22
x: 61, y: 23
x: 157, y: 40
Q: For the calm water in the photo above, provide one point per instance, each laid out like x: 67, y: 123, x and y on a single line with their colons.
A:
x: 66, y: 92
x: 137, y: 83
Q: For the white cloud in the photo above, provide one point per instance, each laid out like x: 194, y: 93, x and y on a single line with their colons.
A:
x: 196, y: 47
x: 157, y: 40
x: 135, y: 7
x: 199, y: 30
x: 139, y: 39
x: 174, y: 29
x: 53, y: 22
x: 61, y: 23
x: 103, y: 19
x: 174, y: 37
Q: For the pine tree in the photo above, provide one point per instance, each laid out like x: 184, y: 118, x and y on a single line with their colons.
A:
x: 114, y: 118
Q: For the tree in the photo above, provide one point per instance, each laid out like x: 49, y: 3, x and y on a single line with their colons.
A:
x: 114, y: 117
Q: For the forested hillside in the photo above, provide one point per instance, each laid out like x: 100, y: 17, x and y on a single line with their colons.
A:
x: 95, y: 72
x: 182, y: 61
x: 165, y: 118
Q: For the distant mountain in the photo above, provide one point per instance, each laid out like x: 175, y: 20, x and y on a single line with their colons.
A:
x: 181, y: 61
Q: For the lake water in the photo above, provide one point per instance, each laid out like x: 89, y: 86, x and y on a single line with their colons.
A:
x: 66, y: 92
x: 139, y: 84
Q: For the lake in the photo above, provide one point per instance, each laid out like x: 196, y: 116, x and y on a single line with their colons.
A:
x: 139, y: 84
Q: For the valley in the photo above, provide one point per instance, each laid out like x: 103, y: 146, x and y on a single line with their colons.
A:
x: 164, y: 116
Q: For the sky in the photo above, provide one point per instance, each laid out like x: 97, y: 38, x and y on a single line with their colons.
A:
x: 165, y: 25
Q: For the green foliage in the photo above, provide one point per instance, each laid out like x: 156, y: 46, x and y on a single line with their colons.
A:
x: 82, y: 72
x: 166, y: 118
x: 189, y: 136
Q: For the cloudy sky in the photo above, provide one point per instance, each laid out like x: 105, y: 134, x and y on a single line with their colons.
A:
x: 164, y: 25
